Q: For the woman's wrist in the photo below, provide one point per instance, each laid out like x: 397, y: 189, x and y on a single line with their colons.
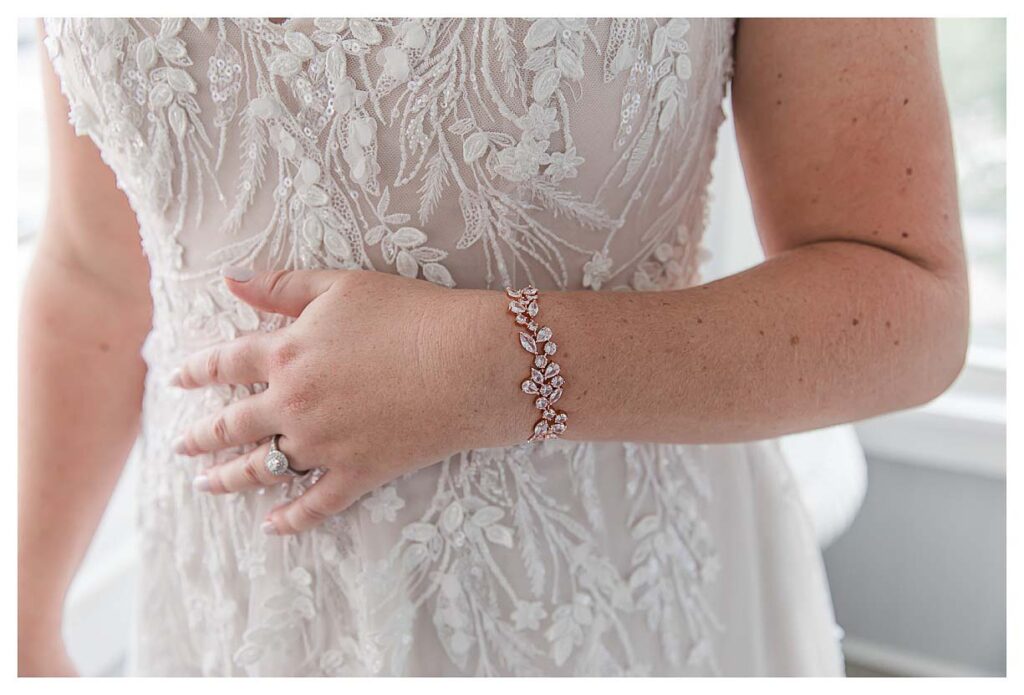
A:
x: 486, y: 365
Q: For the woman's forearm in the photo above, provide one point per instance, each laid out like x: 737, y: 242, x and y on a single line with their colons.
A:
x: 80, y: 387
x: 827, y: 333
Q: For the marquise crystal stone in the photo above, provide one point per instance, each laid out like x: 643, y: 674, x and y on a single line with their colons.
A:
x: 528, y: 343
x: 545, y: 382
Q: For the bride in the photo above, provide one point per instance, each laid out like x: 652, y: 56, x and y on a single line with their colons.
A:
x: 414, y: 471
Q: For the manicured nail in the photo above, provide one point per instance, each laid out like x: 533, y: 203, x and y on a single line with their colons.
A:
x: 201, y: 483
x: 268, y: 528
x: 175, y: 379
x: 233, y: 272
x: 179, y: 445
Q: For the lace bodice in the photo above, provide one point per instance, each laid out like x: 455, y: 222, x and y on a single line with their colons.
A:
x: 467, y: 152
x: 568, y: 153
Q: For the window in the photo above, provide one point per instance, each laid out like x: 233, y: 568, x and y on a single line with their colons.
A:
x: 973, y: 55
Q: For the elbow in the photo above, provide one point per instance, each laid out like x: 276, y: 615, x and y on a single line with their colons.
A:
x: 947, y: 354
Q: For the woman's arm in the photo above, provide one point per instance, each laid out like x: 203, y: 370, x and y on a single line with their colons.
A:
x: 85, y: 314
x: 860, y: 308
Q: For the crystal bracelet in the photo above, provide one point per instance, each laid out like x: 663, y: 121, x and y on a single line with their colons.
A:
x: 546, y: 381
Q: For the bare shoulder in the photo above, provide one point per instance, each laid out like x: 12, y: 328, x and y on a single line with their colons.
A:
x: 844, y: 133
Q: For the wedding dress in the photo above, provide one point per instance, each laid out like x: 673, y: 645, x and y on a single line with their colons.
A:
x: 472, y: 153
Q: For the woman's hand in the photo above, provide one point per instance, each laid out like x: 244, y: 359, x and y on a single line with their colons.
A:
x: 373, y: 380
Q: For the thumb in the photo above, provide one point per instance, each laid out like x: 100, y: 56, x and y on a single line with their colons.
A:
x: 281, y: 291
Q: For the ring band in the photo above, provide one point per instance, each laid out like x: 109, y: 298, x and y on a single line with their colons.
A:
x: 277, y: 463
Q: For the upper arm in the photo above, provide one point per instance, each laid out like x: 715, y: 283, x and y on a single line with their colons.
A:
x: 844, y: 134
x: 90, y: 228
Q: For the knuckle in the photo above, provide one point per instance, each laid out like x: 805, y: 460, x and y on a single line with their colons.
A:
x: 212, y: 364
x: 242, y: 419
x: 221, y: 430
x: 297, y: 400
x: 252, y: 470
x: 276, y: 281
x: 284, y: 353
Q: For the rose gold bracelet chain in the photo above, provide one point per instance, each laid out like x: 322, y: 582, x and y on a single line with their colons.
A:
x: 546, y: 382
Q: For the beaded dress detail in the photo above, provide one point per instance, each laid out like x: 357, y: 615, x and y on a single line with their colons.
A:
x: 471, y: 153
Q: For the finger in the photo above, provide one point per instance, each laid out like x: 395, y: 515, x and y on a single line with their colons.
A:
x: 282, y: 291
x: 244, y: 422
x: 328, y: 496
x: 247, y: 472
x: 241, y: 361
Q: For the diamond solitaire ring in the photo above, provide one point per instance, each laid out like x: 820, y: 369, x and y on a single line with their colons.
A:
x: 277, y: 463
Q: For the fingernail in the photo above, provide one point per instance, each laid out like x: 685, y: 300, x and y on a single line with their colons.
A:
x: 233, y: 272
x: 175, y: 379
x: 268, y: 528
x: 201, y: 483
x: 179, y: 445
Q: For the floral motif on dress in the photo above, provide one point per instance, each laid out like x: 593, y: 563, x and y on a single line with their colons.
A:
x: 454, y: 151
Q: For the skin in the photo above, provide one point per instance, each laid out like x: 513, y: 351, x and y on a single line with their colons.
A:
x: 859, y: 309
